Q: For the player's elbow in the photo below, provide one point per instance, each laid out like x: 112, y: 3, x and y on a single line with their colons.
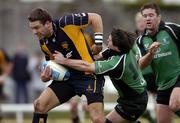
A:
x: 94, y: 17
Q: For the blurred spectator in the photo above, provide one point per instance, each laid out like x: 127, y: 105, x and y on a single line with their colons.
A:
x: 20, y: 74
x: 139, y: 24
x: 37, y: 86
x: 5, y: 69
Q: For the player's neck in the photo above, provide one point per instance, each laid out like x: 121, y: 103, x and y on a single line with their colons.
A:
x: 51, y: 31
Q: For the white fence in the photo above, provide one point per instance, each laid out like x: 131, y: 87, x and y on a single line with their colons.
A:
x: 20, y: 109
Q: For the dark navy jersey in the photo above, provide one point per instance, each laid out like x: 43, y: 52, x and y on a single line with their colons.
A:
x: 68, y: 39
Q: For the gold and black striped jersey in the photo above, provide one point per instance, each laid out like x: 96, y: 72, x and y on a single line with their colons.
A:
x: 68, y: 38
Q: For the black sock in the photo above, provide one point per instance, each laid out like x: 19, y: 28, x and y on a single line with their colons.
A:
x: 39, y: 118
x: 75, y: 120
x: 108, y: 121
x: 178, y: 113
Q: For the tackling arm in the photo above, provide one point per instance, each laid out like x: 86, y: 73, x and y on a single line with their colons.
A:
x: 75, y: 64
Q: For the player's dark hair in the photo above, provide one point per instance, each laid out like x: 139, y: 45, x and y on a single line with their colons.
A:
x: 151, y: 5
x: 39, y: 14
x: 122, y: 39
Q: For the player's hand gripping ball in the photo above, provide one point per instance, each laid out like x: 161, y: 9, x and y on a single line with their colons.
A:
x: 59, y: 72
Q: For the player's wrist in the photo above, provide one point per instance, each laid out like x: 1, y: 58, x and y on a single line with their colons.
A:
x: 98, y: 38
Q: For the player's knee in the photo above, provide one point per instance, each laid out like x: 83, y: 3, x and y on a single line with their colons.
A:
x: 38, y: 107
x: 174, y: 104
x: 97, y: 119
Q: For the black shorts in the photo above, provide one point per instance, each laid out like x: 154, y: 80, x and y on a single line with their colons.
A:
x: 132, y: 109
x: 163, y: 96
x: 151, y: 85
x: 87, y: 84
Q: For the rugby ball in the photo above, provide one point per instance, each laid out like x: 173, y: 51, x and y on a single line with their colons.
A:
x: 59, y: 72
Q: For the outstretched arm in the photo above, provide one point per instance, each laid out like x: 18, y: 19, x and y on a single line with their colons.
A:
x: 75, y: 64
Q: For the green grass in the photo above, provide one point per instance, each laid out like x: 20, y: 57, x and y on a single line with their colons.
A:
x: 65, y: 120
x: 60, y: 118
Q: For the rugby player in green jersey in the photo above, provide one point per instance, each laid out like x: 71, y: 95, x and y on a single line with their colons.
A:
x: 164, y: 60
x: 121, y: 65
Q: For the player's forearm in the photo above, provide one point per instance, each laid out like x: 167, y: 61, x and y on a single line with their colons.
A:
x: 78, y: 65
x: 145, y: 60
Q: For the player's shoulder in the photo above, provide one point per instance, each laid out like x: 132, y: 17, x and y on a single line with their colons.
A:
x: 172, y: 24
x: 73, y: 19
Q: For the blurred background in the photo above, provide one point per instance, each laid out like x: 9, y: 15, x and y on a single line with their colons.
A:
x: 19, y: 43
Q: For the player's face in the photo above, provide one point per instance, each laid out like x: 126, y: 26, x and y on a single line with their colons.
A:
x: 110, y: 43
x: 151, y: 19
x: 39, y: 29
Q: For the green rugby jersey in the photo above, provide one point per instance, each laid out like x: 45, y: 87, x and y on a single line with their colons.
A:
x: 166, y: 62
x: 124, y: 73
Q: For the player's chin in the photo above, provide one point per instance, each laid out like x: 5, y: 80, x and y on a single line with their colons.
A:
x: 149, y: 27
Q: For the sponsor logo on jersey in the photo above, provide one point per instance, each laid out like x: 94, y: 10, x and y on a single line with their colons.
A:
x: 158, y: 50
x: 69, y: 54
x: 146, y: 46
x: 65, y: 45
x: 89, y: 89
x: 165, y: 41
x: 163, y: 54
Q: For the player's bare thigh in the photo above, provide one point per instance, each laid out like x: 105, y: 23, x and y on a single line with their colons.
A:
x: 46, y: 101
